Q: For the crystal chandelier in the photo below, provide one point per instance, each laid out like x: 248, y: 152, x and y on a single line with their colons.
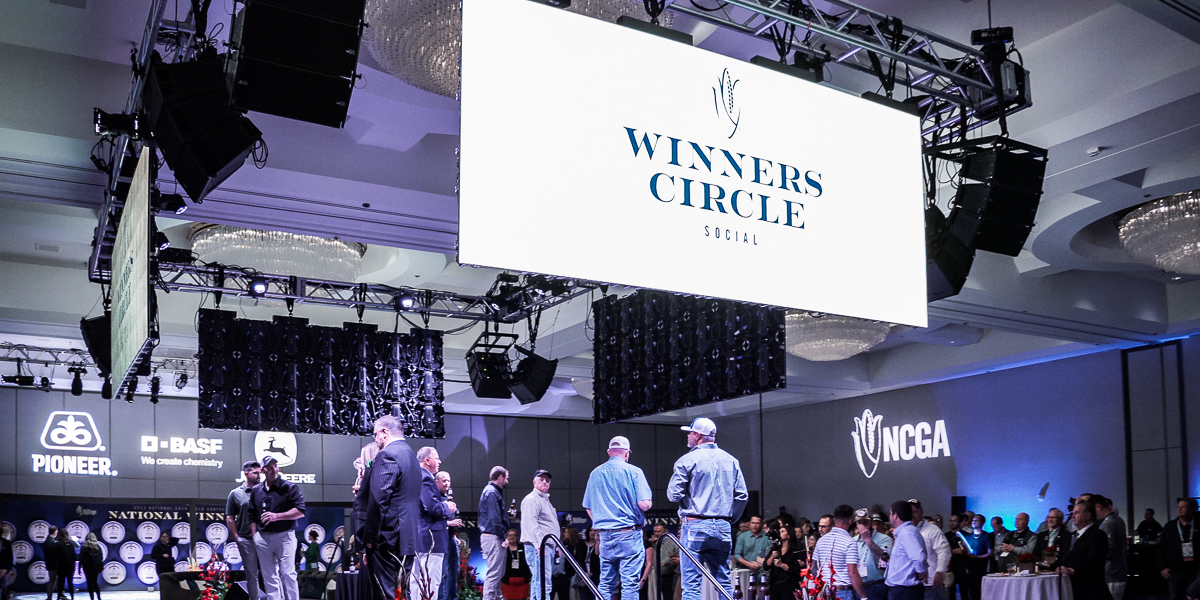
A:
x: 819, y: 337
x: 1165, y: 233
x: 278, y: 252
x: 420, y: 41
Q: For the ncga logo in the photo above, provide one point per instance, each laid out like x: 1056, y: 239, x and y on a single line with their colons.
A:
x: 279, y: 444
x: 874, y: 443
x: 71, y: 430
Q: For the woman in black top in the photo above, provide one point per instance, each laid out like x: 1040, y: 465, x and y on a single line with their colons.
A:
x: 587, y: 554
x: 161, y: 554
x: 66, y: 563
x: 785, y: 563
x: 92, y: 561
x: 561, y: 583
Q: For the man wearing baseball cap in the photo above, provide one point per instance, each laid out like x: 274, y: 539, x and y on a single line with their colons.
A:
x: 616, y: 498
x: 276, y: 504
x: 711, y: 492
x: 538, y: 519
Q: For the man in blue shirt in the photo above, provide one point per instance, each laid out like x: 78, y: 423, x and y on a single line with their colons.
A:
x: 873, y: 549
x: 493, y: 527
x: 908, y: 563
x: 616, y: 498
x: 707, y: 484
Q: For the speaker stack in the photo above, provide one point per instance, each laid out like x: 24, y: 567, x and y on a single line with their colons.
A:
x: 295, y: 59
x: 997, y: 214
x: 203, y: 139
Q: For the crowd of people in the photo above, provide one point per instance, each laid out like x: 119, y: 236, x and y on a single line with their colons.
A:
x: 406, y: 525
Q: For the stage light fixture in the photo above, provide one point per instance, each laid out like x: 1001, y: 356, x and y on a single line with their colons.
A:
x: 161, y: 242
x: 172, y: 203
x: 115, y: 124
x: 77, y: 381
x: 155, y: 388
x: 106, y: 390
x: 22, y: 380
x: 130, y: 389
x: 181, y: 380
x: 258, y: 287
x: 405, y: 300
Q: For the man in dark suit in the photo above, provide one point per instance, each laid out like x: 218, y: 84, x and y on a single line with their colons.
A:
x: 1056, y: 537
x: 393, y: 509
x: 426, y: 580
x: 1084, y: 562
x: 1177, y: 549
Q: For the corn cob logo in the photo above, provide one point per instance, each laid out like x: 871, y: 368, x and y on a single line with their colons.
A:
x: 723, y: 100
x: 867, y: 441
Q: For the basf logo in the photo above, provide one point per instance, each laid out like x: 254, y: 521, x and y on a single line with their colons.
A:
x: 72, y: 431
x: 280, y: 445
x: 874, y: 443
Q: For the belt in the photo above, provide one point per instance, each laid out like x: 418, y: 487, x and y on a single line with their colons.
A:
x: 876, y: 582
x: 843, y: 587
x: 630, y: 528
x: 693, y: 519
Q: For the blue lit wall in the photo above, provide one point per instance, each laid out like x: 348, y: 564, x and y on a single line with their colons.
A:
x: 1009, y: 433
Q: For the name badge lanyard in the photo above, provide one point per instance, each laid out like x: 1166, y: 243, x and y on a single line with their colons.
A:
x: 1188, y: 548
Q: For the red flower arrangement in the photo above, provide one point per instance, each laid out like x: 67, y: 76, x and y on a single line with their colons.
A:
x: 813, y: 584
x: 215, y: 573
x: 1028, y: 557
x: 469, y: 587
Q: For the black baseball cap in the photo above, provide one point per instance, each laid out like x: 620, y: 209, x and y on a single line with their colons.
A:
x: 269, y: 460
x: 542, y: 473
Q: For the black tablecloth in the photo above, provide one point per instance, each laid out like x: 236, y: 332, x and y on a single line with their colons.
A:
x: 351, y: 586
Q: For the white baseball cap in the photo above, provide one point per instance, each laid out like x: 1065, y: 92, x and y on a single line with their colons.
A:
x: 702, y: 426
x: 619, y: 442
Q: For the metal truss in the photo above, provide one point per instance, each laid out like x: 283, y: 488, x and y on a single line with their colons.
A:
x: 175, y: 40
x: 508, y: 307
x: 73, y: 357
x: 955, y: 77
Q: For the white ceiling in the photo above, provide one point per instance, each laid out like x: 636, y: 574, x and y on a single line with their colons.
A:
x: 1103, y: 75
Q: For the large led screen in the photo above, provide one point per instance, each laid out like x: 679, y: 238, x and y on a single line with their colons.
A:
x: 131, y: 293
x: 598, y: 152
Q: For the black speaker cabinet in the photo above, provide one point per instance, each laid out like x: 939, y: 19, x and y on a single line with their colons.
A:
x: 533, y: 377
x: 958, y: 505
x: 993, y: 218
x: 212, y: 157
x: 1004, y: 168
x: 490, y: 374
x: 295, y: 60
x: 947, y: 263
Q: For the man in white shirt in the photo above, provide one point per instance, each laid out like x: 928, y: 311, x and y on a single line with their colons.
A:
x: 937, y: 550
x: 538, y: 519
x: 837, y: 553
x: 908, y: 565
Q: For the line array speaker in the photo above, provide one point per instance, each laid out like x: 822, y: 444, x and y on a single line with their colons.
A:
x: 203, y: 139
x: 296, y: 59
x: 997, y: 214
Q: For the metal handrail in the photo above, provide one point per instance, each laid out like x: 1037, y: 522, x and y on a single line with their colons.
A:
x: 566, y: 553
x: 692, y: 557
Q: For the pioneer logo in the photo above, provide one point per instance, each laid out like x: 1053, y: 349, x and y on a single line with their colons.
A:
x: 71, y: 430
x: 875, y: 443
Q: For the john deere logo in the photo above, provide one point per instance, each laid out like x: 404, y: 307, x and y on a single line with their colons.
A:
x: 281, y: 445
x: 723, y: 101
x: 71, y: 430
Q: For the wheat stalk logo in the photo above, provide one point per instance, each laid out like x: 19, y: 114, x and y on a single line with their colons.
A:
x: 723, y: 99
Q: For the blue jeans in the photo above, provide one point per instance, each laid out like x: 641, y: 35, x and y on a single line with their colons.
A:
x: 622, y: 556
x: 844, y: 594
x: 711, y: 542
x: 539, y: 575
